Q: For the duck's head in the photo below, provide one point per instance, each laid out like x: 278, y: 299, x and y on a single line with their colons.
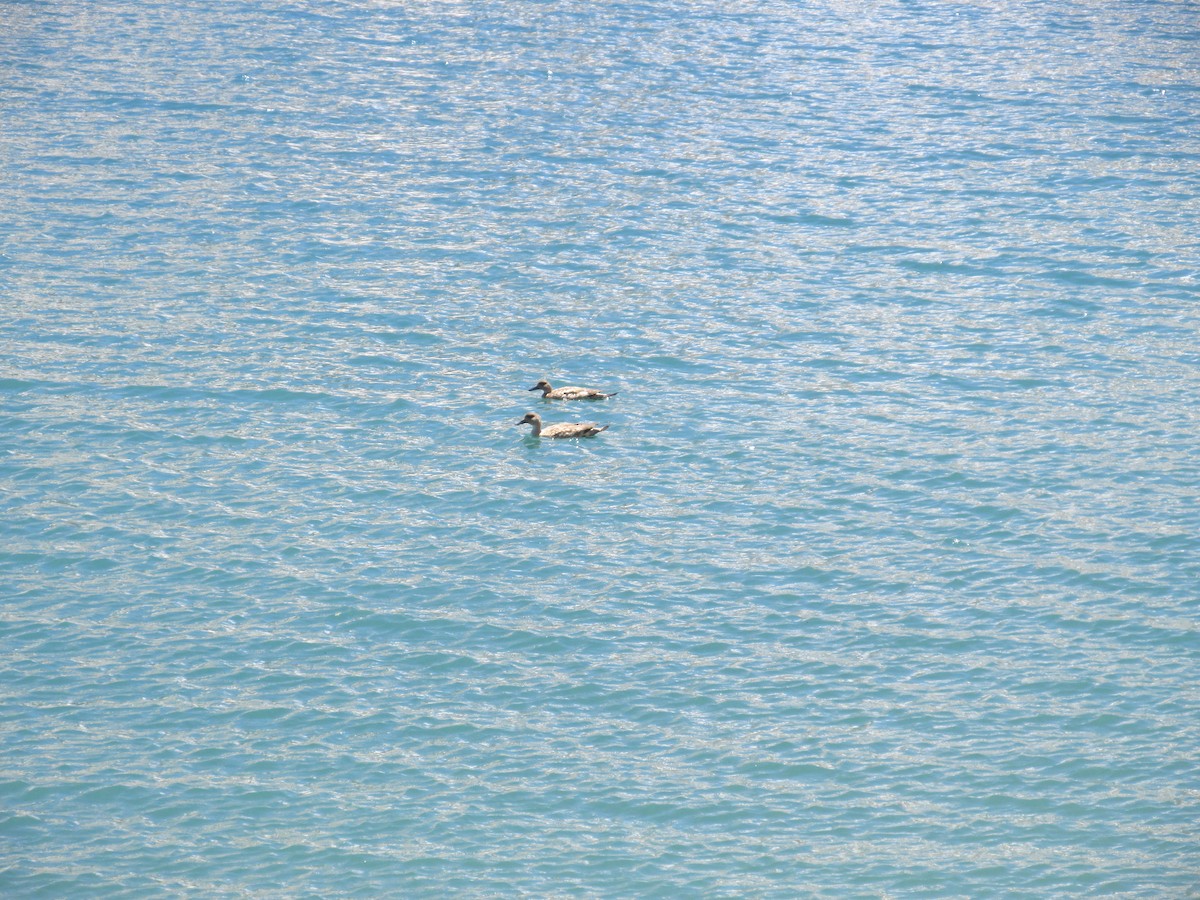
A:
x: 543, y: 386
x: 531, y: 419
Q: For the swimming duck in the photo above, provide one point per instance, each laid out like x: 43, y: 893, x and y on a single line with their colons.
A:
x: 562, y: 429
x: 569, y: 393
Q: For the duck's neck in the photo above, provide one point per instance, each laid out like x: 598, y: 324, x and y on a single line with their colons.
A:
x: 537, y: 427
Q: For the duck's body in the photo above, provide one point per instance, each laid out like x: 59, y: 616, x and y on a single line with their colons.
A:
x: 561, y: 429
x: 570, y: 393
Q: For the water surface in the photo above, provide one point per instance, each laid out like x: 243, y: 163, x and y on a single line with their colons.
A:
x: 883, y: 581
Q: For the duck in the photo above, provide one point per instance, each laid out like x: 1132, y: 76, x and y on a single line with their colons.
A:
x: 569, y: 393
x: 561, y: 429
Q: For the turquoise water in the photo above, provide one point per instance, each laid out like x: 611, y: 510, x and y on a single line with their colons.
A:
x: 883, y: 582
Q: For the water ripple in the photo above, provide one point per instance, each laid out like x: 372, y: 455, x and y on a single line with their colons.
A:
x: 881, y: 581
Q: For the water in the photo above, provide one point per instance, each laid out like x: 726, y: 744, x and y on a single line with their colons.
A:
x: 883, y: 581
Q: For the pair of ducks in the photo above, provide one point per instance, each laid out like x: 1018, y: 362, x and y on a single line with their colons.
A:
x: 565, y: 429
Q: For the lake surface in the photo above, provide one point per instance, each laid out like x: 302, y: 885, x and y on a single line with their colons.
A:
x: 884, y: 580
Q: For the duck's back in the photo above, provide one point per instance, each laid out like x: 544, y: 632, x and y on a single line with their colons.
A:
x: 576, y: 393
x: 572, y: 429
